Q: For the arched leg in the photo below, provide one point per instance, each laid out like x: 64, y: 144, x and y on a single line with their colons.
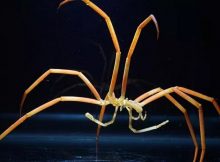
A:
x: 59, y: 71
x: 193, y: 102
x: 181, y: 108
x: 89, y: 116
x: 202, y: 96
x: 132, y: 47
x: 47, y: 105
x: 201, y: 120
x: 113, y: 37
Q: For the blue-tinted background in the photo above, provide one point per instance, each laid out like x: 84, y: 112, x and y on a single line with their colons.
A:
x: 36, y: 37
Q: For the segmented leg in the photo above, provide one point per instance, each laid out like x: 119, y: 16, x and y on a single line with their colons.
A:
x: 132, y: 47
x: 181, y: 108
x: 193, y: 102
x: 145, y: 129
x: 89, y: 116
x: 101, y: 116
x: 113, y: 36
x: 114, y: 39
x: 202, y: 96
x: 60, y: 71
x: 47, y: 105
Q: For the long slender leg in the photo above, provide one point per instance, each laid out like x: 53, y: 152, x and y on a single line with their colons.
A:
x: 89, y: 116
x: 101, y: 115
x: 147, y: 94
x: 60, y: 71
x: 114, y: 39
x: 202, y: 96
x: 193, y: 102
x: 47, y: 105
x: 201, y: 119
x: 181, y: 108
x: 113, y: 36
x: 132, y: 47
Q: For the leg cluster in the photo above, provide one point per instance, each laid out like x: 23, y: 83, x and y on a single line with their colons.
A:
x: 186, y: 94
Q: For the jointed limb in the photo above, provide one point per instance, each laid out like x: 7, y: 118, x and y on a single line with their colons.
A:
x: 47, y: 105
x: 89, y: 116
x: 145, y: 129
x: 202, y: 96
x: 60, y: 71
x: 132, y: 47
x: 181, y: 108
x: 101, y: 116
x: 113, y: 37
x: 192, y: 101
x: 114, y: 40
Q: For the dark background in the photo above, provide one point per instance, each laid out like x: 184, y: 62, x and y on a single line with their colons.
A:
x: 36, y: 37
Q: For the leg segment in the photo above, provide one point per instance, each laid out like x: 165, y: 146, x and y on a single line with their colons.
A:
x: 101, y: 115
x: 132, y: 47
x: 114, y: 40
x: 89, y: 116
x: 60, y: 71
x: 181, y: 108
x: 145, y: 129
x: 113, y: 36
x: 178, y: 91
x: 202, y: 96
x: 201, y: 119
x: 47, y: 105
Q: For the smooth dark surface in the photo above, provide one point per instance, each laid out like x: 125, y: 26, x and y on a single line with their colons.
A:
x: 63, y: 137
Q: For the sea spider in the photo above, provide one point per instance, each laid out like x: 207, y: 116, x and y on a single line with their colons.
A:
x: 123, y: 102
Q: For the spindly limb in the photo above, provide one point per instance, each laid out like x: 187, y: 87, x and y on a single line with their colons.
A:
x: 145, y: 129
x: 47, y: 105
x: 101, y: 116
x: 89, y: 116
x: 202, y: 96
x: 178, y: 91
x: 181, y: 108
x: 113, y: 37
x: 132, y: 47
x: 60, y: 71
x: 114, y: 40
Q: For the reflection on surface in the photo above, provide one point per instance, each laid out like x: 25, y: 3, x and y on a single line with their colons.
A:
x: 54, y: 138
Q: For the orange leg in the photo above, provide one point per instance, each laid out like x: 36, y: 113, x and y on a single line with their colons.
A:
x: 132, y: 47
x: 116, y: 46
x: 181, y: 108
x: 114, y: 40
x: 178, y: 91
x: 47, y: 105
x: 59, y: 71
x: 101, y: 115
x: 113, y: 36
x: 202, y: 96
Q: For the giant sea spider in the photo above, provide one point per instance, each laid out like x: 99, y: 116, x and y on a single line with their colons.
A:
x: 122, y: 102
